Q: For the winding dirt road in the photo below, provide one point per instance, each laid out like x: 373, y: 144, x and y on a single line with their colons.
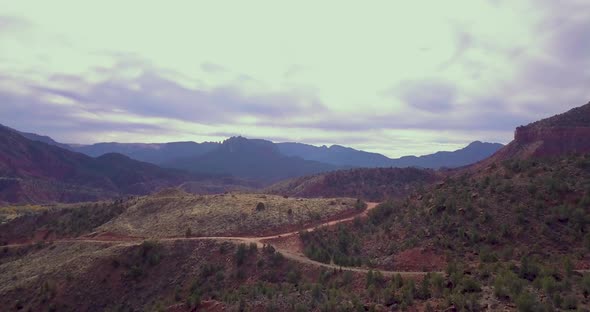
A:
x: 260, y: 241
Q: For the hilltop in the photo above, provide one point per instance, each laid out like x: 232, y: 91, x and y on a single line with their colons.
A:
x: 373, y: 184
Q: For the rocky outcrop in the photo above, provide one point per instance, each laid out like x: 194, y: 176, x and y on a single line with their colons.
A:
x: 563, y: 134
x: 553, y: 141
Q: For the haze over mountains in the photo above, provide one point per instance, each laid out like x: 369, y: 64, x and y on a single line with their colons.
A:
x: 180, y: 154
x: 36, y: 168
x: 33, y: 171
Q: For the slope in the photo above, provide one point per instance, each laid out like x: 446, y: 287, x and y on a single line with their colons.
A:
x: 371, y: 184
x: 32, y: 171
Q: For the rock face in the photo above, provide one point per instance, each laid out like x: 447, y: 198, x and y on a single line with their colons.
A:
x: 563, y: 134
x: 554, y: 141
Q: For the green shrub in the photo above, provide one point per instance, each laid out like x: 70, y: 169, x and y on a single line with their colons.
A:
x: 507, y: 285
x: 360, y: 205
x: 470, y: 285
x: 569, y: 303
x: 586, y: 285
x: 526, y: 303
x: 240, y: 255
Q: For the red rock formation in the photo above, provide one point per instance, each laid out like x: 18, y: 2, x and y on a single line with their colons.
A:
x: 555, y: 141
x: 563, y: 134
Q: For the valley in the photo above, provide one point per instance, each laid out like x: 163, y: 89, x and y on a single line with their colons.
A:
x: 509, y: 232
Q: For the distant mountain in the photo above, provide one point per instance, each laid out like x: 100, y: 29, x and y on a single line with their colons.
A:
x: 470, y: 154
x: 560, y: 135
x: 36, y: 172
x: 339, y: 155
x: 335, y: 155
x: 248, y: 158
x: 156, y: 153
x: 38, y: 138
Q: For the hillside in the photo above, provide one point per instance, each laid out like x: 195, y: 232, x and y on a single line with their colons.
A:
x: 254, y: 159
x: 375, y: 184
x: 32, y: 171
x: 563, y: 134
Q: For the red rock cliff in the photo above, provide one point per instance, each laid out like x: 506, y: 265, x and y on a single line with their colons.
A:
x: 553, y: 141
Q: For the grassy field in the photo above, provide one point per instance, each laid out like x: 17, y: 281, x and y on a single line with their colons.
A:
x: 176, y: 213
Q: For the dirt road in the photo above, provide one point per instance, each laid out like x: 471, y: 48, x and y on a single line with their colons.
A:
x: 288, y: 253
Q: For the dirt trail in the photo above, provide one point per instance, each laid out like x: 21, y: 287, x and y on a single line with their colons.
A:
x: 260, y: 241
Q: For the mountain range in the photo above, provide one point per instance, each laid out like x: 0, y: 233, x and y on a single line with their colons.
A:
x: 36, y: 168
x: 181, y: 154
x: 36, y: 172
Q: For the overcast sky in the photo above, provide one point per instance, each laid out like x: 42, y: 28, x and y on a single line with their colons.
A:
x: 395, y: 77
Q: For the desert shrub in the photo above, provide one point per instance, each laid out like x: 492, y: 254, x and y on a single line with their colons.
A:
x: 507, y: 285
x: 241, y: 254
x: 525, y: 302
x: 528, y: 269
x: 569, y: 302
x: 408, y: 293
x: 424, y: 292
x: 294, y: 276
x: 360, y: 205
x: 382, y: 212
x: 549, y: 285
x: 135, y: 272
x: 276, y: 258
x: 586, y: 285
x: 568, y: 267
x: 470, y: 285
x: 487, y: 256
x: 150, y: 252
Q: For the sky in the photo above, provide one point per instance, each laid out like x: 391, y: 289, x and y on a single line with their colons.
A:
x: 394, y: 77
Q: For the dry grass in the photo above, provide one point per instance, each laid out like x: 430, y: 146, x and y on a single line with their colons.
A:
x: 171, y: 214
x: 42, y: 263
x: 8, y: 213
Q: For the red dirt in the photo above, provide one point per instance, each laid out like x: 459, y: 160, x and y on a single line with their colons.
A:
x: 346, y: 214
x: 291, y: 242
x: 108, y: 237
x: 418, y: 259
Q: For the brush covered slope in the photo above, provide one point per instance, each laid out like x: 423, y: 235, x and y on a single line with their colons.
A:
x: 172, y: 213
x: 35, y: 172
x: 512, y: 232
x: 181, y: 276
x: 375, y: 184
x: 519, y: 228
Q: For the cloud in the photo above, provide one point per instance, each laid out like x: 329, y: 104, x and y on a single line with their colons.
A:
x: 12, y: 23
x: 142, y: 102
x: 212, y: 68
x: 457, y: 77
x: 427, y: 95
